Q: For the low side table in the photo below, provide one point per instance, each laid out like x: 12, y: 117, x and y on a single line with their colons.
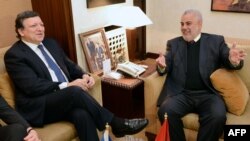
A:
x: 124, y: 97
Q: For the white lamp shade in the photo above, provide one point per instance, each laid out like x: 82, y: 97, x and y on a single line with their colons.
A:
x: 130, y: 17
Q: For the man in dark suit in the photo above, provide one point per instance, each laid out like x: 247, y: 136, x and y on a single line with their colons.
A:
x: 17, y: 129
x: 188, y: 63
x: 49, y: 87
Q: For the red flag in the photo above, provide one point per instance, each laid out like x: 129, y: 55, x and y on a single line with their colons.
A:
x: 163, y: 134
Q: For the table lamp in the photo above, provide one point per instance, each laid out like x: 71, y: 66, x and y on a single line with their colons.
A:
x: 131, y: 17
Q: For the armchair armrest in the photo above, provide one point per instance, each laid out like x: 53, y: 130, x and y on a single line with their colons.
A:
x: 152, y: 87
x: 96, y: 91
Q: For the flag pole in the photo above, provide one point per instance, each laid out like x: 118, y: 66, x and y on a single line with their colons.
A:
x: 163, y: 134
x: 165, y: 116
x: 106, y: 136
x: 107, y: 127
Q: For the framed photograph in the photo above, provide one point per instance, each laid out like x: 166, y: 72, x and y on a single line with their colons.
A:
x: 97, y: 3
x: 96, y: 49
x: 242, y: 6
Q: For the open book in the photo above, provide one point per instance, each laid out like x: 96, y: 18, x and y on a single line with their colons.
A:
x: 130, y: 68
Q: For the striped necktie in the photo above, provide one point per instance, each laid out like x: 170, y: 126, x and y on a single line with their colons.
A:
x: 52, y: 65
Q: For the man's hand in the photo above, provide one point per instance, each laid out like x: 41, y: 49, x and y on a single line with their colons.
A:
x: 160, y: 61
x: 90, y: 80
x: 236, y: 55
x: 86, y: 82
x: 32, y: 135
x: 80, y: 83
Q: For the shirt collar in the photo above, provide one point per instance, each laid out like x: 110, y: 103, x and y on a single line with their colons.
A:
x: 197, y: 38
x: 31, y: 45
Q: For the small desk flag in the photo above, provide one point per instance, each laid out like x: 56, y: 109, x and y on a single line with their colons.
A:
x: 163, y: 134
x: 105, y: 136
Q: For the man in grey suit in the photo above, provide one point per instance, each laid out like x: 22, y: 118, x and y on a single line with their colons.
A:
x: 17, y: 129
x: 188, y: 63
x: 49, y: 87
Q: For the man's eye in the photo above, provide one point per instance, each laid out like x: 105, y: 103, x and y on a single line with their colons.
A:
x: 189, y: 23
x: 33, y: 26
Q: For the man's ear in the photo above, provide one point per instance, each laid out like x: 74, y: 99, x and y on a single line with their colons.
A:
x: 20, y: 31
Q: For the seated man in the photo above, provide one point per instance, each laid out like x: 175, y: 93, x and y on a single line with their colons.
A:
x: 189, y: 61
x: 17, y: 129
x: 50, y: 87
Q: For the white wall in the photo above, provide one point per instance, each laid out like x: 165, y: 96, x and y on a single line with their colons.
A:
x: 88, y: 19
x: 166, y: 14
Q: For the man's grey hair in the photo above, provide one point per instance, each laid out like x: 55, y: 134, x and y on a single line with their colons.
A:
x: 194, y: 12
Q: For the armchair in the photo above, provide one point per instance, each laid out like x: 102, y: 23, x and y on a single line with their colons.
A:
x: 59, y: 131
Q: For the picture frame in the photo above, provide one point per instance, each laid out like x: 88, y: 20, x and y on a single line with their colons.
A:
x: 95, y: 47
x: 241, y: 6
x: 118, y: 46
x: 98, y: 3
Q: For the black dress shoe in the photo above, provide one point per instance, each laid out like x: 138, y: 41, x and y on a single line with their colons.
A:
x: 130, y: 127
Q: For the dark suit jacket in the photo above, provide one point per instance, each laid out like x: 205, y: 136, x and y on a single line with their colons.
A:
x: 9, y: 115
x: 32, y: 79
x: 213, y: 55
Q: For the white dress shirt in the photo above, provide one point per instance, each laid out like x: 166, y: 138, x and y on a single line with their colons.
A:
x: 35, y: 48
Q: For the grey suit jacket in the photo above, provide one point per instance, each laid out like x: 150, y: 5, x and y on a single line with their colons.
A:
x: 32, y: 79
x: 214, y: 54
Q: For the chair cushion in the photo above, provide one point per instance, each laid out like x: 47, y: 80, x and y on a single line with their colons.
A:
x: 232, y: 89
x: 59, y: 131
x: 191, y: 120
x: 6, y: 89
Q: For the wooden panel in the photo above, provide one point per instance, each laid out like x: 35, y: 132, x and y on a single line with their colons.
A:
x: 96, y: 3
x: 132, y: 44
x: 140, y: 33
x: 57, y: 17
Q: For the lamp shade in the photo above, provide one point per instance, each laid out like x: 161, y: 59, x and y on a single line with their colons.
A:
x: 130, y: 17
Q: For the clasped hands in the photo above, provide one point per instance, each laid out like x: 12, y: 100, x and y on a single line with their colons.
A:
x: 86, y: 82
x: 236, y: 55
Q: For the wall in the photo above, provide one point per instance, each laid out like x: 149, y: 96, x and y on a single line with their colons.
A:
x: 88, y: 19
x: 84, y: 20
x: 8, y: 12
x: 166, y: 14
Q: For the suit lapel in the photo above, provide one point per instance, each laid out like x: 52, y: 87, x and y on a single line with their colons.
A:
x: 203, y: 54
x: 182, y: 54
x: 36, y: 59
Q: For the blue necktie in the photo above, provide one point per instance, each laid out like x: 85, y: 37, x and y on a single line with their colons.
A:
x: 52, y: 65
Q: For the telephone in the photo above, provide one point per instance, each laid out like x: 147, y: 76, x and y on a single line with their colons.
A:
x: 130, y: 68
x: 113, y: 75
